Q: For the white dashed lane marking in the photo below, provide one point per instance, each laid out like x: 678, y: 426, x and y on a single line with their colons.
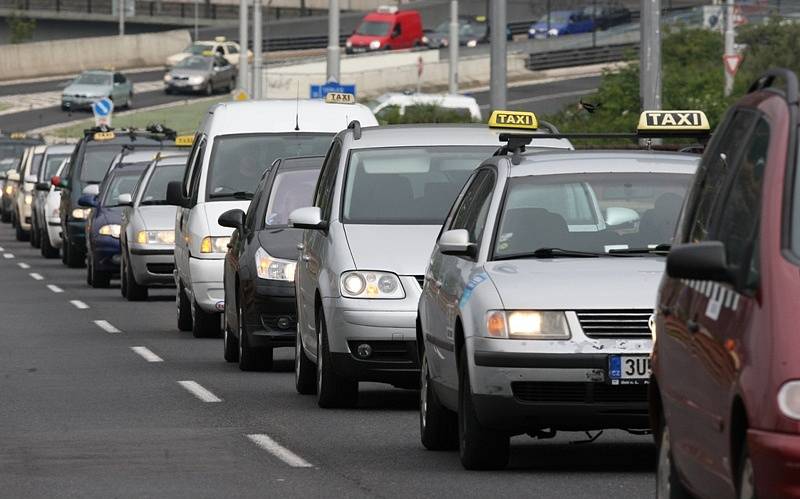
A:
x: 36, y: 276
x: 54, y: 288
x: 79, y: 304
x: 23, y: 265
x: 279, y: 451
x: 106, y: 326
x: 8, y: 255
x: 147, y: 355
x: 198, y: 391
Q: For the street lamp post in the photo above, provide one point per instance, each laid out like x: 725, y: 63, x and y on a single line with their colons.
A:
x: 244, y: 60
x: 333, y: 41
x: 258, y: 58
x: 650, y: 55
x: 497, y: 85
x: 453, y: 79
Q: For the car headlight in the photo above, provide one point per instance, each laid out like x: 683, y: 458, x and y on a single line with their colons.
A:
x: 532, y: 31
x: 196, y: 80
x: 348, y: 44
x: 268, y: 267
x: 155, y: 237
x: 472, y: 43
x: 28, y: 199
x: 375, y: 44
x: 527, y: 325
x: 789, y: 399
x: 211, y: 244
x: 552, y: 32
x: 109, y: 230
x: 81, y: 213
x: 167, y: 77
x: 9, y: 189
x: 425, y: 40
x: 370, y: 284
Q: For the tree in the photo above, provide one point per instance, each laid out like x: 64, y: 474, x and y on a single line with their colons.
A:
x: 21, y: 27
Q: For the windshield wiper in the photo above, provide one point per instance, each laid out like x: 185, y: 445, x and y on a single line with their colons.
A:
x: 551, y: 253
x: 237, y: 195
x: 660, y: 249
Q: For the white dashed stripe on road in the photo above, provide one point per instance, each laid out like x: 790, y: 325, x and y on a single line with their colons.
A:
x: 147, y: 355
x: 79, y: 304
x: 8, y: 255
x: 36, y: 276
x: 106, y: 326
x: 2, y: 249
x: 198, y: 391
x: 23, y: 265
x: 54, y: 288
x: 279, y: 451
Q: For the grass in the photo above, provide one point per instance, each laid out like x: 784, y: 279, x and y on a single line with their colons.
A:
x: 184, y: 118
x: 4, y: 106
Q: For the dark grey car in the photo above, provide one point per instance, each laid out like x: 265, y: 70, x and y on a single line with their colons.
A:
x: 201, y: 73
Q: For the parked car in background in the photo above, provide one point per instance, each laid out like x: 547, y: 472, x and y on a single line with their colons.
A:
x: 608, y: 16
x: 386, y: 29
x: 561, y: 23
x: 472, y: 30
x: 397, y: 103
x: 54, y: 156
x: 207, y: 73
x: 231, y: 51
x: 91, y: 86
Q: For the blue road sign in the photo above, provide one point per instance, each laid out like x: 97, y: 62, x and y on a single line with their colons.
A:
x: 320, y: 91
x: 103, y: 107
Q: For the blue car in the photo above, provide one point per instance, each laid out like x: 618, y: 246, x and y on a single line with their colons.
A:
x: 104, y: 223
x: 561, y: 22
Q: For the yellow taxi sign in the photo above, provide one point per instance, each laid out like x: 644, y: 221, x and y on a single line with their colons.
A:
x: 208, y: 53
x: 184, y: 140
x: 104, y: 135
x: 480, y: 19
x: 519, y: 120
x: 240, y: 95
x: 340, y: 98
x: 665, y: 122
x: 18, y: 135
x: 219, y: 39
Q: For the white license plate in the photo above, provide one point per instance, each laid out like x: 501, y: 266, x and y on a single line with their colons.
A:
x: 628, y: 369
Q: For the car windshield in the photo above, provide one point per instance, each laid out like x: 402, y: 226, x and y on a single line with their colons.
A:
x: 473, y: 30
x: 123, y: 182
x: 51, y: 164
x: 96, y: 161
x: 597, y: 213
x: 373, y: 28
x: 195, y: 62
x: 155, y: 192
x: 291, y: 189
x: 238, y: 161
x: 93, y: 79
x: 407, y: 185
x: 198, y: 48
x: 36, y: 164
x: 556, y: 18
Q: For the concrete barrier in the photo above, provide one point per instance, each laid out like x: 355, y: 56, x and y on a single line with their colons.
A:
x: 31, y: 60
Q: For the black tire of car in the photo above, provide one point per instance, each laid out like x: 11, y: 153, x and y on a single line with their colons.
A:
x: 133, y: 290
x: 305, y: 381
x: 184, y: 313
x: 75, y: 258
x: 745, y: 487
x: 480, y: 448
x: 64, y: 255
x: 204, y: 324
x: 438, y: 426
x: 35, y: 241
x: 209, y: 90
x: 22, y: 235
x: 47, y: 250
x: 231, y: 346
x: 168, y: 90
x: 251, y: 359
x: 129, y: 101
x: 101, y: 279
x: 123, y: 287
x: 333, y: 391
x: 669, y: 486
x: 5, y: 217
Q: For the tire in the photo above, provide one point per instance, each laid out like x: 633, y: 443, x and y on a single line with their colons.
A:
x: 133, y: 290
x: 332, y: 390
x: 123, y: 285
x: 305, y: 381
x: 209, y: 90
x: 438, y: 426
x: 101, y: 279
x: 22, y: 235
x: 251, y: 359
x: 745, y: 485
x: 668, y: 483
x: 231, y: 348
x: 182, y: 306
x: 129, y: 101
x: 35, y: 233
x: 5, y: 217
x: 64, y: 255
x: 204, y: 324
x: 75, y: 258
x: 46, y: 249
x: 168, y: 90
x: 480, y: 448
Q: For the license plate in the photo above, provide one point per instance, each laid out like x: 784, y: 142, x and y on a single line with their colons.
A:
x: 628, y: 369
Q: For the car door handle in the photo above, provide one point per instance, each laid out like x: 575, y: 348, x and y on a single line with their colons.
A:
x: 692, y: 326
x: 300, y: 246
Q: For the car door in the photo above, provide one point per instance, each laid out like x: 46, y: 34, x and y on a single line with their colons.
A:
x: 233, y: 53
x: 182, y: 213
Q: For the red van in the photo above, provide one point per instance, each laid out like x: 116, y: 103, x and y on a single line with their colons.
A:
x: 725, y: 387
x: 386, y: 29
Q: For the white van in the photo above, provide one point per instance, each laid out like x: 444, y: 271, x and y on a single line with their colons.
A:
x: 398, y: 102
x: 234, y: 145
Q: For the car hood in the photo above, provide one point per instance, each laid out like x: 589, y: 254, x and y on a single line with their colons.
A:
x: 577, y: 283
x: 158, y: 217
x: 106, y: 215
x: 402, y: 249
x: 214, y: 209
x: 186, y: 72
x: 356, y: 39
x: 82, y: 89
x: 281, y: 242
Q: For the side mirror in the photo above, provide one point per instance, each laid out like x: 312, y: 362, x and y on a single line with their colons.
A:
x: 91, y: 190
x: 87, y: 200
x: 705, y: 261
x: 617, y: 215
x: 13, y: 175
x: 232, y: 218
x: 456, y: 242
x: 31, y: 179
x: 309, y: 217
x: 125, y: 199
x: 175, y: 193
x: 43, y: 186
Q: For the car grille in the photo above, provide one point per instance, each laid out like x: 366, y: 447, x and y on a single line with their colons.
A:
x: 578, y: 393
x: 420, y: 280
x: 180, y: 78
x: 160, y: 268
x: 623, y: 323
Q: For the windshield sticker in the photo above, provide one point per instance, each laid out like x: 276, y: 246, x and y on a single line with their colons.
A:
x: 470, y: 287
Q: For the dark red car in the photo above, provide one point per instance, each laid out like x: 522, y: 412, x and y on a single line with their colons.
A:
x: 725, y: 388
x: 388, y: 28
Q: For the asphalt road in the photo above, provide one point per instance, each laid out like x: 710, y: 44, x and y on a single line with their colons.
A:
x: 84, y: 415
x: 52, y: 84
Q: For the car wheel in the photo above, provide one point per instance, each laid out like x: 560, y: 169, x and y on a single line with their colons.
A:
x: 22, y: 235
x: 101, y: 279
x: 209, y: 89
x: 34, y: 233
x: 438, y: 426
x: 204, y: 324
x: 250, y: 359
x: 231, y: 349
x: 746, y: 480
x: 47, y: 250
x: 5, y: 217
x: 133, y: 290
x: 89, y: 277
x: 129, y: 101
x: 304, y: 370
x: 668, y: 483
x: 480, y: 448
x: 75, y: 258
x: 332, y: 390
x: 183, y: 309
x: 64, y: 253
x: 122, y: 279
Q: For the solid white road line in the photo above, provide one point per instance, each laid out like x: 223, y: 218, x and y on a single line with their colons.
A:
x: 198, y: 391
x: 8, y: 255
x: 36, y: 276
x: 23, y: 265
x: 79, y: 304
x: 54, y: 288
x: 147, y: 355
x: 279, y: 451
x: 106, y: 326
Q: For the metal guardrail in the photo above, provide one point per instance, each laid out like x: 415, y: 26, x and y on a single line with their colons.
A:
x: 582, y: 56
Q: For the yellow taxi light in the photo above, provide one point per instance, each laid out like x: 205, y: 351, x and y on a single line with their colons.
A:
x: 208, y: 53
x: 184, y: 140
x: 18, y: 135
x: 104, y: 135
x: 340, y: 98
x: 219, y: 39
x: 666, y: 122
x: 480, y: 19
x: 518, y: 120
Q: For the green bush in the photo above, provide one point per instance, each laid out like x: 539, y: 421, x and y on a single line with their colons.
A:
x: 21, y: 27
x: 422, y: 113
x: 770, y: 45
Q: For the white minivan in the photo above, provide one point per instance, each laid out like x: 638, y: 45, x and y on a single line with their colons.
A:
x: 234, y: 145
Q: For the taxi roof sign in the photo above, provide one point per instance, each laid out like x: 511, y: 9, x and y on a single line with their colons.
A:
x: 184, y: 140
x: 340, y: 98
x: 518, y: 120
x: 670, y: 122
x: 219, y: 39
x: 104, y: 135
x: 18, y: 135
x: 208, y: 53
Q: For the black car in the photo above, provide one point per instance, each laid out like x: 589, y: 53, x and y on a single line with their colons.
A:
x: 260, y: 305
x: 608, y: 16
x: 472, y: 30
x: 88, y: 165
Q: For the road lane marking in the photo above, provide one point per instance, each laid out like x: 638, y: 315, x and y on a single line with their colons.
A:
x: 36, y: 276
x: 23, y: 265
x: 147, y: 354
x: 198, y: 391
x: 106, y: 326
x: 8, y: 255
x: 2, y: 249
x: 279, y: 451
x: 79, y: 304
x: 54, y: 288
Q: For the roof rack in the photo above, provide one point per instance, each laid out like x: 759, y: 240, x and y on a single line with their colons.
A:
x: 355, y: 126
x: 767, y: 79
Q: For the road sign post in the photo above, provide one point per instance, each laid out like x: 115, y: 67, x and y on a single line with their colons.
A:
x: 102, y: 110
x: 320, y: 91
x: 497, y: 72
x: 244, y: 58
x: 730, y: 51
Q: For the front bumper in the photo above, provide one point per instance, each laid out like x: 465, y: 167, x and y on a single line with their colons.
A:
x: 776, y: 463
x: 105, y: 254
x: 174, y: 86
x: 270, y: 314
x: 74, y: 102
x: 153, y: 267
x: 54, y: 232
x: 206, y: 284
